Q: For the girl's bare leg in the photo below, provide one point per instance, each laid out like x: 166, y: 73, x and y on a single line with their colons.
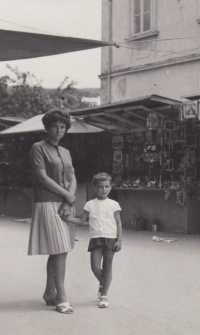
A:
x: 95, y: 258
x: 50, y: 291
x: 107, y: 270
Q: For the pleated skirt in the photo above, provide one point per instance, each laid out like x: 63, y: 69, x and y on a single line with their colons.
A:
x: 49, y: 234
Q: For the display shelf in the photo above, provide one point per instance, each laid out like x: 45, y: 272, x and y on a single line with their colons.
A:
x: 141, y: 189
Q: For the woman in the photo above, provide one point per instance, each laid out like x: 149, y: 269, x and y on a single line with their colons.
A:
x: 54, y: 187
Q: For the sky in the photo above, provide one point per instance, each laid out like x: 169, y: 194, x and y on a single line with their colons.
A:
x: 75, y: 18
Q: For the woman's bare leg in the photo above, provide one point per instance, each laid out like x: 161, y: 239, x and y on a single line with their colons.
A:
x: 59, y: 267
x: 50, y: 291
x: 56, y: 266
x: 107, y: 270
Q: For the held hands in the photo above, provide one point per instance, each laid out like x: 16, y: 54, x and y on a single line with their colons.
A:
x: 117, y: 246
x: 64, y: 210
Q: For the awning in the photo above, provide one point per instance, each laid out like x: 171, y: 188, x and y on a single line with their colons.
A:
x: 20, y: 45
x: 9, y: 121
x: 130, y: 115
x: 35, y: 124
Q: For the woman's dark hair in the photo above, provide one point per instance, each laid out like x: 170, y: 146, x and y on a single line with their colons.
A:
x: 56, y: 115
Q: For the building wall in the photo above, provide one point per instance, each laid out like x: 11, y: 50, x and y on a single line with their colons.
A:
x: 172, y: 81
x: 152, y: 63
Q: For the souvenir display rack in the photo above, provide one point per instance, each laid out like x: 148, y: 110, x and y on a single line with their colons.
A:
x: 166, y: 156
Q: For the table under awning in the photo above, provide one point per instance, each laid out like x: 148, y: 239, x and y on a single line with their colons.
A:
x: 21, y: 45
x: 130, y: 115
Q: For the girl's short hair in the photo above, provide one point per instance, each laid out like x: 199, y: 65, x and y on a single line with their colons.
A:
x: 103, y: 176
x: 56, y: 115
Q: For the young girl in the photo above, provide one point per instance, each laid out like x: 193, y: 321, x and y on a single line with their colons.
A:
x: 105, y: 232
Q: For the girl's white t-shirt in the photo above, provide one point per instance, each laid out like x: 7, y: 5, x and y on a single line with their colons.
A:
x: 101, y: 217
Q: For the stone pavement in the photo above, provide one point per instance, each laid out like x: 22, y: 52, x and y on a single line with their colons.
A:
x: 155, y: 288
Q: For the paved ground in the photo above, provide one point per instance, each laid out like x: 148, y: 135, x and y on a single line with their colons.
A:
x: 155, y: 289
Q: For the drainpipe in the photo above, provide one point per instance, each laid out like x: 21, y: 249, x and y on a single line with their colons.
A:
x: 109, y: 50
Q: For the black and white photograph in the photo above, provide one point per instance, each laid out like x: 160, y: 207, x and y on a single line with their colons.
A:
x: 100, y: 167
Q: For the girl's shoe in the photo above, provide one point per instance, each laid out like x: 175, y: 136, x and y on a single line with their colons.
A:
x: 99, y: 291
x: 64, y: 308
x: 103, y: 302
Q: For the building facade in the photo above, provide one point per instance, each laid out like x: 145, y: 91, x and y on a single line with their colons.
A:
x: 159, y: 49
x: 91, y: 101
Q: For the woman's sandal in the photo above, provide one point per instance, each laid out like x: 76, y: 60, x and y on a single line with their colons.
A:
x: 99, y: 291
x: 64, y: 308
x: 103, y: 302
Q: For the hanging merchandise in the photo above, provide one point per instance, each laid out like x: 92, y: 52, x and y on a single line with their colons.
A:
x: 128, y: 138
x: 199, y: 110
x: 117, y: 142
x: 117, y: 156
x: 167, y: 195
x: 167, y: 157
x: 198, y: 192
x: 180, y: 133
x: 117, y: 168
x: 181, y: 118
x: 190, y: 110
x: 190, y: 173
x: 159, y: 136
x: 181, y: 197
x: 189, y: 158
x: 148, y: 137
x: 160, y: 181
x: 152, y: 121
x: 169, y: 125
x: 127, y: 161
x: 191, y: 190
x: 138, y: 137
x: 169, y: 164
x: 191, y: 140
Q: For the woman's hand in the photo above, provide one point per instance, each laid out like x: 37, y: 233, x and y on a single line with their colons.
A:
x: 65, y: 209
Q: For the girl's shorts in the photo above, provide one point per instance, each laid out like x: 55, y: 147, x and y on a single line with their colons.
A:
x: 103, y: 242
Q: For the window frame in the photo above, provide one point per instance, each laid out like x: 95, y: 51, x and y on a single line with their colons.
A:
x: 153, y: 21
x: 141, y: 14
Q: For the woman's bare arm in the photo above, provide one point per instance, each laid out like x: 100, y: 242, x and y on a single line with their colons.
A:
x: 73, y: 183
x: 65, y: 207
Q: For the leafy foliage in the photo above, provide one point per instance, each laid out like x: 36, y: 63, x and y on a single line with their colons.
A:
x: 22, y: 95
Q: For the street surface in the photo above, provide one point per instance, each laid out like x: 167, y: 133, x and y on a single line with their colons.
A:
x: 155, y: 288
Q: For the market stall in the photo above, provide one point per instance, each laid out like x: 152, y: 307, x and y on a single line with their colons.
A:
x: 15, y: 172
x: 156, y: 160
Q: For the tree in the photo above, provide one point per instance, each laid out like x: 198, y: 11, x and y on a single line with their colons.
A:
x: 22, y: 95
